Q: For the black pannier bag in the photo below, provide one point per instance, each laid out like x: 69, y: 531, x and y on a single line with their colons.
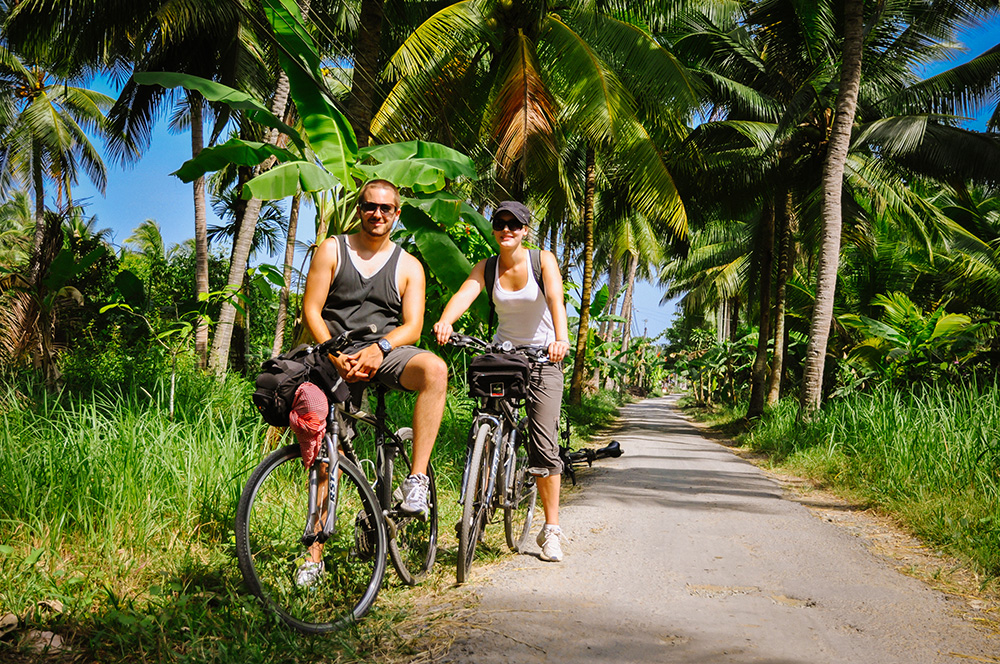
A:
x: 499, y: 375
x: 281, y: 376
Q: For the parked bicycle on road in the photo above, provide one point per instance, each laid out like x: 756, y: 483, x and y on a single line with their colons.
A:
x: 285, y: 509
x: 496, y: 467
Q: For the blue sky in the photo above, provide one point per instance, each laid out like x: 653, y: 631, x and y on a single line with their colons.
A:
x: 148, y: 191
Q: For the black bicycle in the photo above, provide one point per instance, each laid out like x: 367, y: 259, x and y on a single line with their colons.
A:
x: 286, y: 511
x: 496, y: 465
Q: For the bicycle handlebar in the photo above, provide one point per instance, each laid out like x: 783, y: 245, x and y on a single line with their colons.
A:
x: 612, y: 450
x: 538, y: 354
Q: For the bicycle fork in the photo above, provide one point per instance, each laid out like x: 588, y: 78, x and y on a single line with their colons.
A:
x: 312, y: 533
x: 479, y: 421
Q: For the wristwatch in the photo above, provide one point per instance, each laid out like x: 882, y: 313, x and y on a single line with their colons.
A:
x: 384, y: 346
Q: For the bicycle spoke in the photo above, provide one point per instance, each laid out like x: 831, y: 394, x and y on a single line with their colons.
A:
x: 270, y: 520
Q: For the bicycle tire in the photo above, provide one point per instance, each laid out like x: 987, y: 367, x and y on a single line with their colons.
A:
x: 521, y: 493
x: 270, y: 520
x: 412, y: 541
x: 475, y: 503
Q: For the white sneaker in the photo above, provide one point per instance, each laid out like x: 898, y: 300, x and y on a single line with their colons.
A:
x: 415, y: 494
x: 549, y: 539
x: 308, y: 573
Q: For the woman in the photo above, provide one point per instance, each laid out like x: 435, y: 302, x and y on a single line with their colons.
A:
x: 527, y: 315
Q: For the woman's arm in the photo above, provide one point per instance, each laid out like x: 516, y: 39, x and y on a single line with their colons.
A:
x: 460, y: 302
x: 557, y: 306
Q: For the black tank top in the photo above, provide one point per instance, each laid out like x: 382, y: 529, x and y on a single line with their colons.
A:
x: 355, y: 300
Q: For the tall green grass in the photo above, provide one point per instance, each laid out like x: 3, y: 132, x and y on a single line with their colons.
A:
x: 125, y: 515
x: 930, y: 455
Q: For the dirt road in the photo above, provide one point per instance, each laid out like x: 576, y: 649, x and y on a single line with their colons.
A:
x: 683, y: 552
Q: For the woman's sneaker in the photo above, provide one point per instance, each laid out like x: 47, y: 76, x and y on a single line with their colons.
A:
x: 308, y: 573
x: 415, y: 489
x: 549, y: 539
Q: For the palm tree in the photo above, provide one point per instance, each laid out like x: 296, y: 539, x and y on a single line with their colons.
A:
x: 832, y: 211
x: 16, y: 224
x: 531, y: 76
x: 150, y: 35
x: 46, y: 140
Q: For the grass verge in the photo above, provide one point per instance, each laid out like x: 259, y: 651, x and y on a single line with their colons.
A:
x: 116, y: 531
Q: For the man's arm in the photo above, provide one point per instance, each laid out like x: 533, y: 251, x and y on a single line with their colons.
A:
x: 318, y: 281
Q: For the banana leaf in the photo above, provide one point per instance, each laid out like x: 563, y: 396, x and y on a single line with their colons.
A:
x: 212, y: 91
x: 289, y: 179
x: 234, y: 151
x: 328, y: 131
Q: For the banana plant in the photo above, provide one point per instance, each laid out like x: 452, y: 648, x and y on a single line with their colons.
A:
x: 909, y: 344
x: 324, y: 155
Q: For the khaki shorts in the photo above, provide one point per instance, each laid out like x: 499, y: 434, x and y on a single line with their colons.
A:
x: 391, y: 369
x: 542, y: 406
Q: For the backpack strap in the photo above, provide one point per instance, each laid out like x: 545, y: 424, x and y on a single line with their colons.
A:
x: 491, y: 278
x: 534, y: 259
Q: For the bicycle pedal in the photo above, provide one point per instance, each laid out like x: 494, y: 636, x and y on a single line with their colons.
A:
x: 390, y: 525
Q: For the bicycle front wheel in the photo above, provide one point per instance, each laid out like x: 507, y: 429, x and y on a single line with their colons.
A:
x: 412, y: 541
x: 270, y: 522
x: 476, y: 502
x: 521, y: 493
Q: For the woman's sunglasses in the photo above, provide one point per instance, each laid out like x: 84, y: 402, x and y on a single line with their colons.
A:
x: 384, y: 208
x: 512, y: 224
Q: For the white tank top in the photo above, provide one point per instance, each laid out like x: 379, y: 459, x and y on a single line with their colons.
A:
x: 523, y: 317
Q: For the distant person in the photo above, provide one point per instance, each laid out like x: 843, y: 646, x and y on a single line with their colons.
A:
x: 526, y: 317
x: 364, y: 278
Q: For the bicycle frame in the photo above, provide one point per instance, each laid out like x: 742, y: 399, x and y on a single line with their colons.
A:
x: 337, y: 443
x: 496, y: 412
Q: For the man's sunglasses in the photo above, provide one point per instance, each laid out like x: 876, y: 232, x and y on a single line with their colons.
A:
x: 384, y: 208
x: 512, y: 224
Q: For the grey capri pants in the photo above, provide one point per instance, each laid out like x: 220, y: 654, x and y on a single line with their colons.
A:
x: 542, y: 405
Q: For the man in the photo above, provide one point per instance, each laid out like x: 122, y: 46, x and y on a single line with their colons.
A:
x: 364, y: 278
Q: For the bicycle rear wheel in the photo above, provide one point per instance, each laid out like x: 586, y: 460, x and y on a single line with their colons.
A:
x: 412, y: 541
x: 476, y: 502
x: 521, y: 493
x: 270, y: 521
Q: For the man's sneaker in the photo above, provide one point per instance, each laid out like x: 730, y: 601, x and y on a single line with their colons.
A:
x: 548, y: 538
x: 308, y: 573
x: 415, y: 495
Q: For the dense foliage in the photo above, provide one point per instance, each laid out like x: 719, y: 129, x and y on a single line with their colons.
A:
x: 685, y: 143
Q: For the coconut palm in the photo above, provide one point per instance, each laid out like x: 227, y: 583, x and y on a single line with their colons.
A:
x: 512, y: 82
x: 46, y: 140
x: 16, y: 224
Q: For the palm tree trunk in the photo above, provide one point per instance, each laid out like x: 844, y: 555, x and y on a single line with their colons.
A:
x: 786, y: 255
x: 35, y: 262
x: 200, y: 227
x: 293, y: 224
x: 758, y: 372
x: 248, y: 225
x: 832, y: 213
x: 627, y: 301
x: 241, y: 248
x: 579, y: 364
x: 614, y: 285
x: 366, y: 69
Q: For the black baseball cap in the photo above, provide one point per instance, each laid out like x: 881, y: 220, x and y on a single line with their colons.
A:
x: 519, y: 210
